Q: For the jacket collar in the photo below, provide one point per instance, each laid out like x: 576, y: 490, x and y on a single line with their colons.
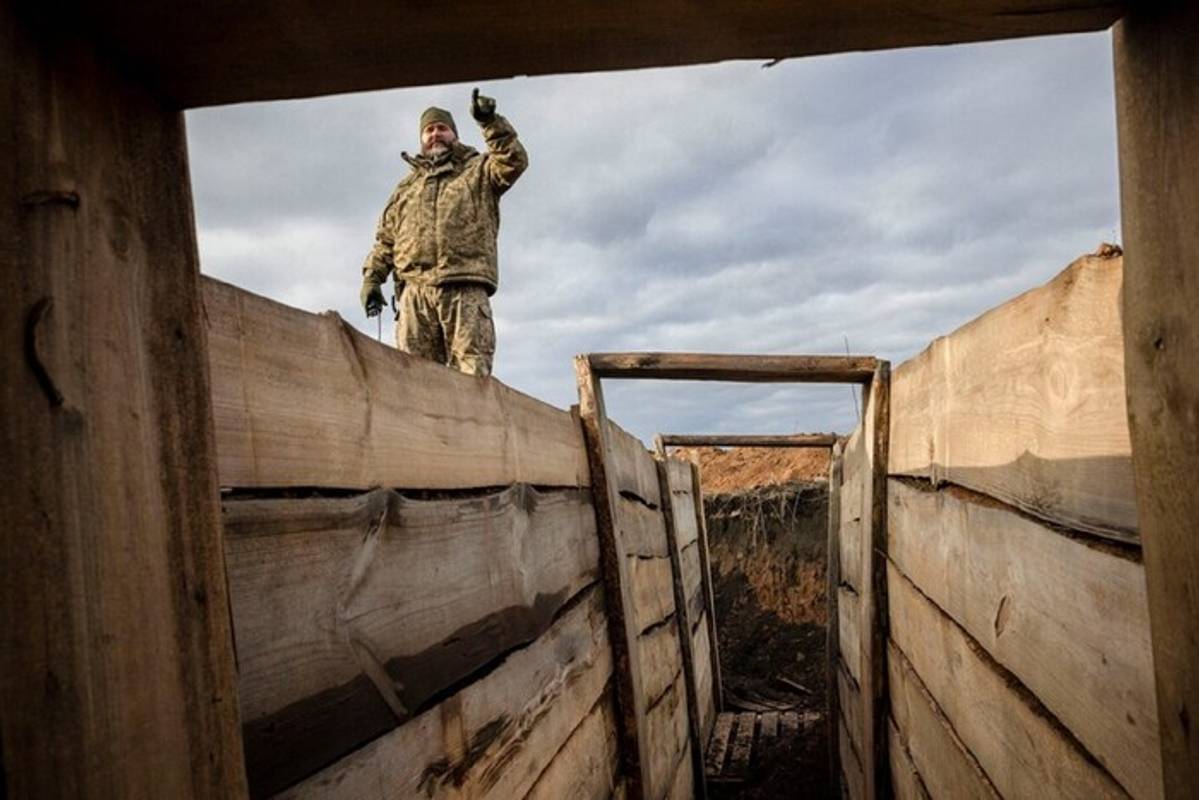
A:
x: 459, y: 155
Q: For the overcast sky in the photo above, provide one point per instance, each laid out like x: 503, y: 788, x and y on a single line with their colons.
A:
x: 879, y: 198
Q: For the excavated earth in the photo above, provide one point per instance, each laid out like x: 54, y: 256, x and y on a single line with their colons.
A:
x: 767, y: 519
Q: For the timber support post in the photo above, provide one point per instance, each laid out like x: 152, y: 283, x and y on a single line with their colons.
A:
x: 832, y: 629
x: 1157, y: 109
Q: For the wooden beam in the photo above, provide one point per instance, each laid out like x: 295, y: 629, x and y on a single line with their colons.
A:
x: 211, y: 53
x: 1157, y: 104
x: 833, y: 631
x: 736, y: 440
x: 877, y: 426
x: 733, y: 368
x: 621, y: 610
x: 117, y: 676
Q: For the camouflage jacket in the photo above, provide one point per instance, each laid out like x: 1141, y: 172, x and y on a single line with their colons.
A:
x: 441, y: 223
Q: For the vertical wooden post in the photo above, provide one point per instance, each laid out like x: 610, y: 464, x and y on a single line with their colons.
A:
x: 701, y: 524
x: 117, y: 674
x: 683, y: 619
x: 833, y: 629
x: 630, y: 694
x: 1157, y: 103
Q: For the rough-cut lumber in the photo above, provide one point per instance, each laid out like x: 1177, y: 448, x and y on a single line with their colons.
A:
x: 631, y: 700
x: 1157, y: 105
x: 658, y: 660
x: 692, y: 582
x: 852, y: 517
x: 666, y: 729
x: 853, y: 784
x: 833, y: 632
x: 351, y: 613
x: 641, y: 531
x: 876, y: 419
x: 585, y: 767
x: 1069, y: 620
x: 944, y: 763
x: 1026, y: 404
x: 748, y: 440
x: 225, y: 53
x: 305, y: 400
x: 718, y: 743
x: 633, y: 467
x: 117, y: 675
x: 706, y: 576
x: 702, y: 650
x: 683, y: 786
x: 1015, y: 740
x: 495, y: 736
x: 849, y: 703
x: 905, y: 780
x: 743, y: 744
x: 651, y: 591
x: 849, y: 622
x: 736, y: 368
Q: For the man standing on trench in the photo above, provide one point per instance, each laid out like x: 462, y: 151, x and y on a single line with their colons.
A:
x: 437, y: 237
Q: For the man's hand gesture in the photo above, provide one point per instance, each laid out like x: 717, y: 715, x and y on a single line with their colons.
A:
x: 482, y: 108
x: 372, y: 298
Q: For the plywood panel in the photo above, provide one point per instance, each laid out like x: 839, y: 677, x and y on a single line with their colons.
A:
x: 493, y: 737
x: 1014, y: 740
x: 1069, y: 620
x: 303, y: 399
x: 1026, y: 404
x: 351, y: 613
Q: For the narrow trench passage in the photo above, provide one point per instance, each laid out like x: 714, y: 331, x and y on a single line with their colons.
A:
x: 767, y: 520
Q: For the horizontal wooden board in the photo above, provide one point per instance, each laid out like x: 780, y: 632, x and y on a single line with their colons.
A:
x: 652, y: 590
x: 633, y: 467
x: 494, y: 737
x: 587, y: 765
x: 642, y: 530
x: 849, y: 625
x: 946, y: 766
x: 351, y: 613
x: 905, y: 780
x: 659, y: 659
x: 719, y: 743
x: 302, y: 399
x: 666, y: 732
x: 1026, y: 404
x: 1014, y: 740
x: 1069, y: 620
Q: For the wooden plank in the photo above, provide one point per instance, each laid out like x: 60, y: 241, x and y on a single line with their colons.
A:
x: 659, y: 660
x: 692, y: 581
x: 706, y: 576
x: 718, y: 743
x: 683, y: 619
x: 117, y: 674
x: 906, y: 780
x: 928, y: 739
x: 684, y: 785
x: 833, y: 631
x: 737, y: 368
x: 651, y: 590
x: 642, y: 530
x: 702, y: 651
x: 667, y: 731
x: 351, y: 613
x: 1157, y: 105
x: 770, y: 725
x: 634, y: 467
x: 305, y: 400
x: 1026, y: 404
x: 849, y: 621
x: 1070, y: 620
x: 618, y: 590
x: 852, y: 515
x: 748, y: 440
x: 493, y: 737
x: 789, y: 722
x: 586, y: 766
x: 218, y: 54
x: 849, y: 703
x: 876, y: 421
x: 853, y: 782
x: 743, y: 744
x: 1016, y: 741
x: 684, y: 514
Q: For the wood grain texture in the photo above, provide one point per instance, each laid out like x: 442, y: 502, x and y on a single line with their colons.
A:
x: 944, y: 763
x: 493, y: 737
x: 736, y: 368
x: 351, y: 613
x: 833, y: 632
x: 906, y: 779
x: 1069, y: 620
x: 877, y: 423
x: 586, y: 766
x: 706, y: 576
x: 748, y: 440
x: 651, y: 591
x: 704, y: 687
x: 852, y: 516
x: 303, y: 399
x: 853, y: 783
x: 634, y: 467
x: 718, y: 743
x: 849, y: 704
x: 117, y: 674
x: 1157, y: 105
x: 640, y: 529
x: 214, y: 54
x: 658, y: 660
x: 849, y: 623
x: 666, y: 730
x: 1015, y: 740
x: 1026, y: 404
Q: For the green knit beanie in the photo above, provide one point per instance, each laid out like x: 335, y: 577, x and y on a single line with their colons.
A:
x: 435, y: 114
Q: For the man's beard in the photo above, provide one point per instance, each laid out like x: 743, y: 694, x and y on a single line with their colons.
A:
x: 437, y: 149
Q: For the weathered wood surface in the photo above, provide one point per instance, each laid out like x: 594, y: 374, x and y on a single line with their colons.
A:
x: 743, y: 744
x: 641, y: 530
x: 1026, y: 404
x: 853, y: 783
x: 748, y: 440
x: 495, y: 736
x: 706, y: 576
x: 1157, y: 105
x: 586, y: 766
x: 718, y: 743
x: 876, y: 421
x: 849, y: 704
x: 685, y: 785
x: 849, y: 622
x: 944, y: 763
x: 833, y: 632
x: 634, y: 467
x: 666, y: 730
x: 1014, y: 739
x: 351, y: 613
x: 216, y: 54
x: 905, y: 780
x: 736, y: 368
x: 702, y: 649
x: 852, y: 517
x: 658, y: 660
x: 1069, y: 620
x: 651, y: 591
x: 117, y: 676
x: 303, y: 399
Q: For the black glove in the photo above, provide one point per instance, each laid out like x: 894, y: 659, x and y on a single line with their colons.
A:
x: 372, y: 298
x: 482, y: 108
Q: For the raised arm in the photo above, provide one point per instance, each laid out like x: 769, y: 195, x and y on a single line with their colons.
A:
x: 506, y: 156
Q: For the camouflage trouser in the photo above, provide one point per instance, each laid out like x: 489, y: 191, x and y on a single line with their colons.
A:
x: 449, y: 324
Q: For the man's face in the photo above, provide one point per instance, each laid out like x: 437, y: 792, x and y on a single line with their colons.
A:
x: 436, y: 138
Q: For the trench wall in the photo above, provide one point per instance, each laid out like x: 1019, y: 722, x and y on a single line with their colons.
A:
x: 415, y: 576
x: 1014, y: 641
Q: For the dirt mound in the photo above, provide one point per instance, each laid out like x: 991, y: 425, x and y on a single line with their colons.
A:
x: 740, y: 468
